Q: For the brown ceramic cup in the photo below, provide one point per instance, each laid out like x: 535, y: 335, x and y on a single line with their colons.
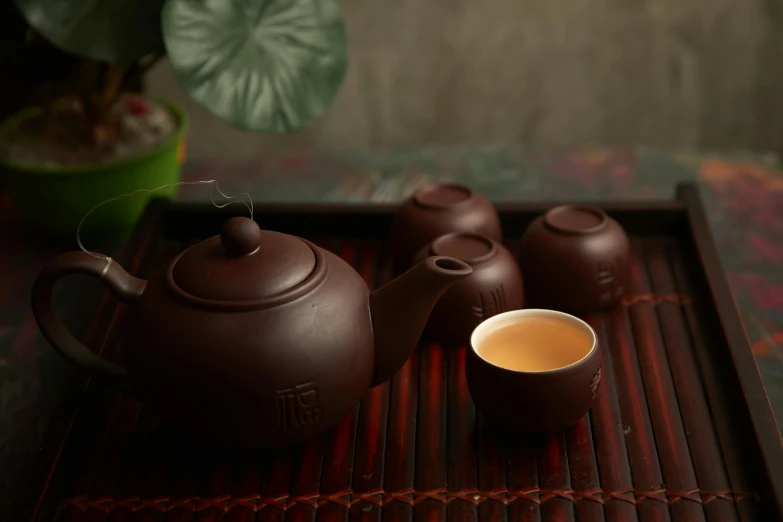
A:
x: 532, y: 402
x: 494, y: 287
x: 437, y: 209
x: 575, y: 259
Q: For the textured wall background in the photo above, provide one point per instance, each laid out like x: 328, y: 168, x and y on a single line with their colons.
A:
x: 685, y: 73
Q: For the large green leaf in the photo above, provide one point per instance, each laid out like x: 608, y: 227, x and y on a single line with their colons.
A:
x: 105, y: 30
x: 262, y: 65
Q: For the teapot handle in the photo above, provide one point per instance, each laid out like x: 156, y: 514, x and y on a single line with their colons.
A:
x: 124, y: 286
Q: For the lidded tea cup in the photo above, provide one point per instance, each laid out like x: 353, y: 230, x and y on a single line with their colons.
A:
x: 437, y: 209
x: 494, y: 287
x: 575, y: 259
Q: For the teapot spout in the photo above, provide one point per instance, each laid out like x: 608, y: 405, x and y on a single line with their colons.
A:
x: 400, y: 310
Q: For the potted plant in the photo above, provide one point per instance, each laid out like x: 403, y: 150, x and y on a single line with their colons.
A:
x: 87, y: 134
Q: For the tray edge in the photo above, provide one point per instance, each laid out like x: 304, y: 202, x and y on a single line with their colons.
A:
x: 762, y: 416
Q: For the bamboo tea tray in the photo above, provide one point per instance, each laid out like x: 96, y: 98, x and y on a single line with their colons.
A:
x: 680, y: 430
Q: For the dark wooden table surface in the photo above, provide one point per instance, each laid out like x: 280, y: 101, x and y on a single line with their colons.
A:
x: 743, y: 193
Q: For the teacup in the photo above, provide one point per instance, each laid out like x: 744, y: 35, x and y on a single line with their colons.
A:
x: 575, y: 259
x: 494, y: 287
x: 437, y: 209
x: 533, y: 371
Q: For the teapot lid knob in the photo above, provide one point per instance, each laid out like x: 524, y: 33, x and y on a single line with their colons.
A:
x: 240, y: 236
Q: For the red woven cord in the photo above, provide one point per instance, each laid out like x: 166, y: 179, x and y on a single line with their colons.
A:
x: 655, y: 299
x: 438, y: 494
x: 655, y: 494
x: 337, y: 498
x: 402, y: 496
x: 374, y: 496
x: 280, y: 502
x: 531, y: 495
x: 348, y: 498
x: 472, y: 496
x: 594, y: 495
x: 158, y: 503
x: 308, y: 500
x: 691, y: 495
x: 549, y: 494
x: 734, y: 496
x: 498, y: 495
x: 626, y: 495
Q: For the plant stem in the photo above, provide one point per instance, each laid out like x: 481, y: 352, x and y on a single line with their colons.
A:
x: 103, y: 99
x: 112, y: 88
x: 88, y: 80
x: 141, y: 68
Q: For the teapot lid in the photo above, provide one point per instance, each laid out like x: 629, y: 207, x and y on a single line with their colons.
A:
x: 243, y: 264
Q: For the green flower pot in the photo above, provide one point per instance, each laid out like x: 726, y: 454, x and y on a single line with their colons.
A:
x: 55, y: 199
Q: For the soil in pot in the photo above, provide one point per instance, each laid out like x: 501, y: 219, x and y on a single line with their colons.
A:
x: 63, y: 139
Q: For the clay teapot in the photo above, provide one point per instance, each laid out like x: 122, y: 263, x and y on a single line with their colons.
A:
x: 253, y: 339
x: 575, y: 259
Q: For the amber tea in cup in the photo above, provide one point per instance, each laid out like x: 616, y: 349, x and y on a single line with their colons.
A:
x: 536, y: 344
x: 535, y: 371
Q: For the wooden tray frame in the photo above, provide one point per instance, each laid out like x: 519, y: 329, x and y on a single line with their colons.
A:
x: 365, y: 221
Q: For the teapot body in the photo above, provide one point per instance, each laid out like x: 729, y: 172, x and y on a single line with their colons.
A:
x: 258, y: 378
x: 253, y: 339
